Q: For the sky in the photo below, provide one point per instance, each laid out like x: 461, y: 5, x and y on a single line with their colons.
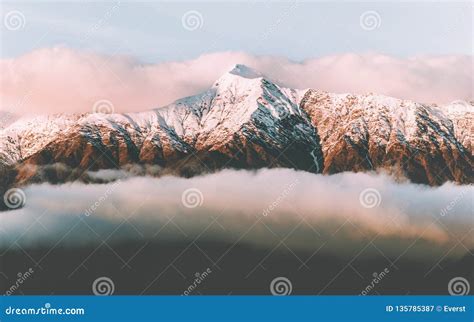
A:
x: 153, y: 31
x: 65, y: 56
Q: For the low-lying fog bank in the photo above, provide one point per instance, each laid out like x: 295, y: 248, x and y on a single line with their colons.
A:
x: 261, y: 208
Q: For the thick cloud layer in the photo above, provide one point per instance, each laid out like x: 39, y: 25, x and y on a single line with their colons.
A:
x: 60, y: 80
x: 307, y: 211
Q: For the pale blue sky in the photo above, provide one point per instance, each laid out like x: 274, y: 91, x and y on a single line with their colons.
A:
x: 153, y: 31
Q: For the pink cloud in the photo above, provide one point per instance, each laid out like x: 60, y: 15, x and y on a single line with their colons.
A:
x: 57, y: 80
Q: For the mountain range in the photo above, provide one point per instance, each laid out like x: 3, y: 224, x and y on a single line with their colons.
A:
x: 246, y: 121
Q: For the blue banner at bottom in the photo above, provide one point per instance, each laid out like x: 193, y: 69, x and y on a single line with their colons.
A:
x: 237, y: 308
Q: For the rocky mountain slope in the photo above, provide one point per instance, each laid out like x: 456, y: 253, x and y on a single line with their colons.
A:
x: 246, y: 121
x: 424, y: 143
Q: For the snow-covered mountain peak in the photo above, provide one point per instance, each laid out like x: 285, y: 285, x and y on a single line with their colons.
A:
x: 247, y: 120
x: 239, y: 77
x: 245, y: 71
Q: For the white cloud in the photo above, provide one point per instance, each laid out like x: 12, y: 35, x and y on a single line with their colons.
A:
x: 59, y: 79
x: 279, y: 199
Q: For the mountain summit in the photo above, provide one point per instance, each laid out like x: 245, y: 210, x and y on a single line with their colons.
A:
x: 246, y: 121
x: 245, y: 71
